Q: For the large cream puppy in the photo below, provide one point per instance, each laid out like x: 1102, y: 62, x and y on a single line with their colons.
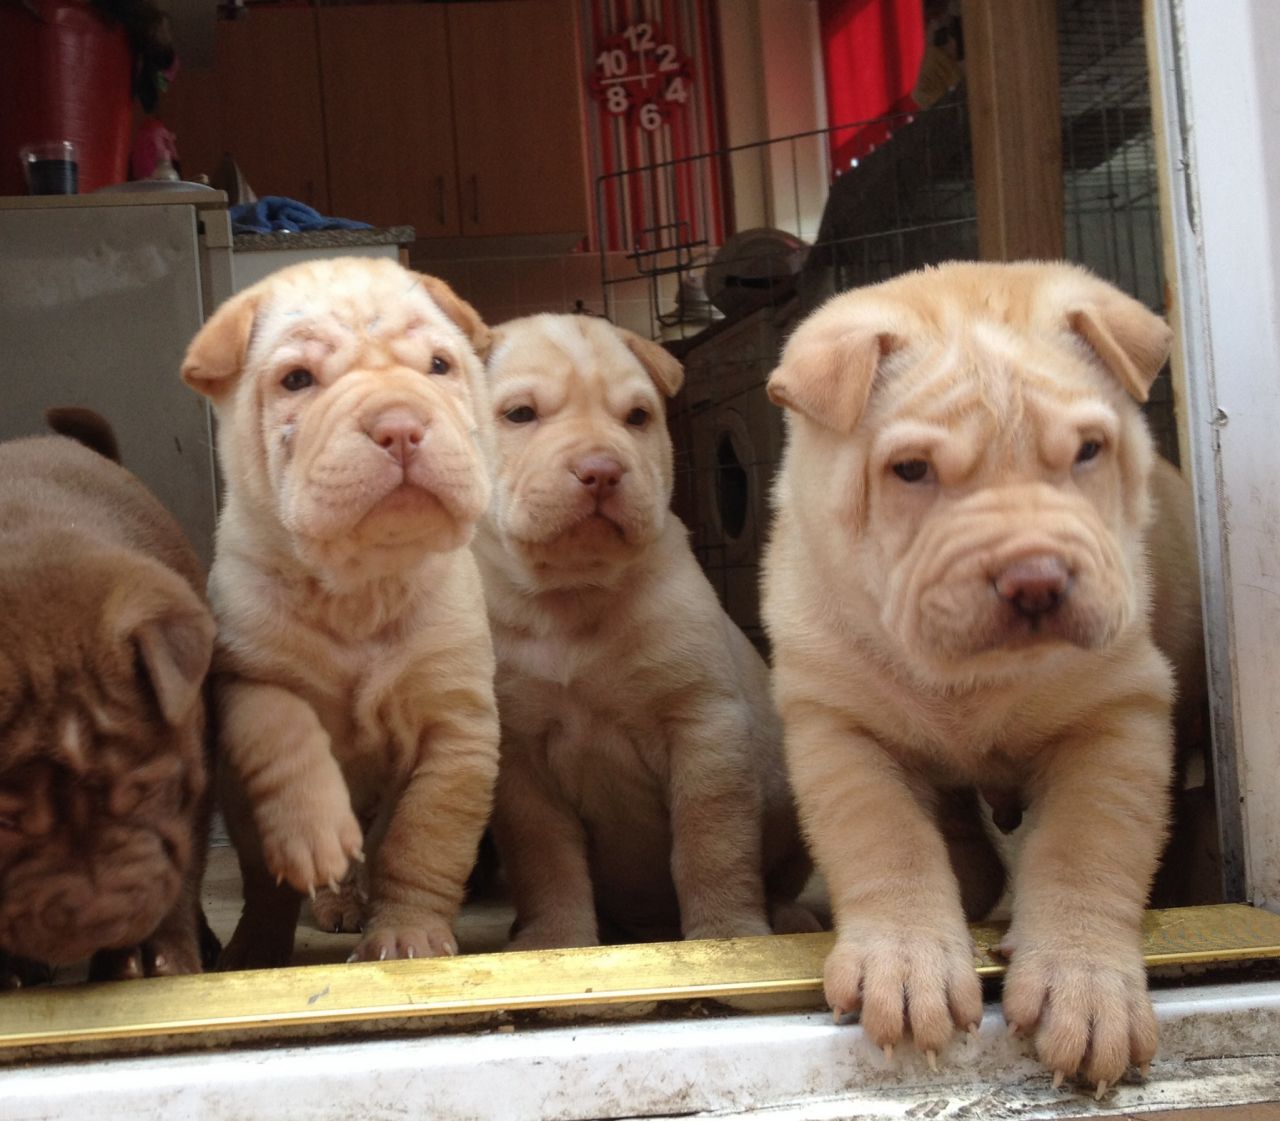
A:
x: 641, y: 791
x: 958, y: 594
x: 354, y: 661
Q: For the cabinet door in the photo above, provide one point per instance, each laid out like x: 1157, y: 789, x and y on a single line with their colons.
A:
x: 518, y: 114
x: 269, y: 80
x: 388, y: 115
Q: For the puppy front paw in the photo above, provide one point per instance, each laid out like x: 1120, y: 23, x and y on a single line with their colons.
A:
x: 430, y: 938
x: 341, y: 911
x: 157, y: 957
x: 549, y: 935
x: 905, y: 981
x: 730, y: 926
x: 310, y: 836
x: 1089, y: 1011
x: 22, y: 973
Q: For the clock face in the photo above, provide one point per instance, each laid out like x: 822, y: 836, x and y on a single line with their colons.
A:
x: 639, y: 75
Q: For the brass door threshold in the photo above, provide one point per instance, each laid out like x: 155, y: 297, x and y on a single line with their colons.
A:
x: 771, y: 971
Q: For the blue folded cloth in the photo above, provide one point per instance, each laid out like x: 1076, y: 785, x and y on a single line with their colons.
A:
x: 276, y: 214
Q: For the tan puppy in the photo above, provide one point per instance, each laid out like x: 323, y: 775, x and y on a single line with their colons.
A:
x: 641, y: 760
x: 958, y: 593
x: 354, y: 658
x: 105, y: 640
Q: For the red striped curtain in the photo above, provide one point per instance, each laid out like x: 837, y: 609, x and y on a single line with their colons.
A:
x: 871, y: 53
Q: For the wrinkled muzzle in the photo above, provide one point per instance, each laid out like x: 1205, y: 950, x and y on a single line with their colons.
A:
x: 387, y: 460
x: 1008, y: 569
x: 60, y: 901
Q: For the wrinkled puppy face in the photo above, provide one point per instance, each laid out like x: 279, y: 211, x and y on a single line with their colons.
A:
x: 352, y: 408
x: 972, y: 436
x: 102, y: 658
x: 584, y: 456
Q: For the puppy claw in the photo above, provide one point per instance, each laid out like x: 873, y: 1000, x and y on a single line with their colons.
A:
x: 1014, y: 1031
x: 311, y: 891
x: 333, y: 885
x: 1144, y: 1069
x: 837, y: 1014
x: 358, y: 856
x: 1058, y: 1077
x: 888, y: 1052
x: 382, y: 954
x: 1101, y: 1091
x: 279, y: 878
x: 353, y: 957
x: 409, y: 953
x: 973, y: 1030
x: 931, y: 1057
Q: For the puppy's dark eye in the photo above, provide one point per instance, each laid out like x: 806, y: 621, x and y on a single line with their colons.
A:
x: 638, y: 417
x: 1088, y: 450
x: 521, y: 414
x: 440, y: 365
x: 297, y: 379
x: 911, y: 470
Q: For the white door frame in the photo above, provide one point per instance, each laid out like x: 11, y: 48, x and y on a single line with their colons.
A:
x: 1220, y: 105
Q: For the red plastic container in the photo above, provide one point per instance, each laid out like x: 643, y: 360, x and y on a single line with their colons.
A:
x: 64, y: 76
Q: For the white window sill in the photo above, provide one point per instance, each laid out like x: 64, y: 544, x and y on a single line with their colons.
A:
x: 1220, y: 1045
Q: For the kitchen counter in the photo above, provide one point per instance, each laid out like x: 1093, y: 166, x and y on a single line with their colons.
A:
x: 322, y: 239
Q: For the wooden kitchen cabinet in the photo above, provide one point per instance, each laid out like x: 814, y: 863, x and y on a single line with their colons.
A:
x: 260, y: 102
x: 389, y: 115
x: 517, y: 113
x: 460, y: 119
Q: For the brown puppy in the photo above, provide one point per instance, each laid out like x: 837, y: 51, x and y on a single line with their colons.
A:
x: 641, y: 784
x: 354, y: 668
x: 104, y: 644
x: 958, y: 593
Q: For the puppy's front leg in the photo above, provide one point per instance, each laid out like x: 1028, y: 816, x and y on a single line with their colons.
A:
x: 903, y: 955
x: 421, y: 864
x: 1099, y: 805
x: 543, y: 847
x: 276, y: 748
x: 715, y: 806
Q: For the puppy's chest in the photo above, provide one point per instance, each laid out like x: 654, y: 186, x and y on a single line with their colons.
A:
x: 974, y: 739
x: 588, y: 709
x: 372, y: 720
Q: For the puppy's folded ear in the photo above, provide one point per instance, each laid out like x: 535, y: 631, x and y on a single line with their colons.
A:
x: 827, y: 372
x: 1132, y: 341
x: 462, y: 313
x: 170, y: 631
x: 216, y: 355
x: 659, y: 363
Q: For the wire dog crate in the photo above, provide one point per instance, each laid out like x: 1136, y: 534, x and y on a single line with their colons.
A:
x: 909, y: 203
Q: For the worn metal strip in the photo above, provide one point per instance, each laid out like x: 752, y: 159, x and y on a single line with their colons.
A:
x: 759, y: 968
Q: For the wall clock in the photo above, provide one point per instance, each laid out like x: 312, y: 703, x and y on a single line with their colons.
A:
x: 640, y: 75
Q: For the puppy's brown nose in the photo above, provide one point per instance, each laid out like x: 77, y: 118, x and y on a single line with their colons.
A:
x: 1034, y: 585
x: 600, y: 474
x: 398, y: 432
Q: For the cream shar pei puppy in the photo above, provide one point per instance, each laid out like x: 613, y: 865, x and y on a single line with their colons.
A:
x: 959, y: 593
x: 641, y: 791
x: 354, y: 664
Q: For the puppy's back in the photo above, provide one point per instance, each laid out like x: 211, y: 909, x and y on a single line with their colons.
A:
x: 56, y: 485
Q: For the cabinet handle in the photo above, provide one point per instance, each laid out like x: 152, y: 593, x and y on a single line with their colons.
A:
x: 475, y: 199
x: 440, y: 216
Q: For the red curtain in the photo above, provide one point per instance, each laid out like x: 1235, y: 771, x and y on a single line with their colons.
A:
x: 871, y: 51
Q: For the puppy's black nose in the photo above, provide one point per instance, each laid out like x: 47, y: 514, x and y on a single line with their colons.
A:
x: 1034, y: 585
x: 398, y: 432
x: 600, y: 474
